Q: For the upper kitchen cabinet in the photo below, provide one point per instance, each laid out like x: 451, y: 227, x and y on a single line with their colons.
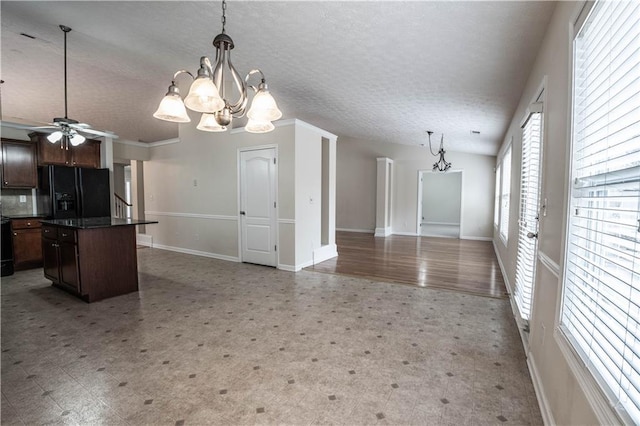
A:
x: 85, y: 155
x: 18, y: 164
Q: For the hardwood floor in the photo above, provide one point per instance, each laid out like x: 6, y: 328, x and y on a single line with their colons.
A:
x: 461, y: 265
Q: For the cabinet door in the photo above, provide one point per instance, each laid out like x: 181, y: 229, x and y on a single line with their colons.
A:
x: 69, y: 266
x: 27, y: 247
x: 18, y: 164
x: 50, y: 259
x: 86, y: 154
x: 50, y: 153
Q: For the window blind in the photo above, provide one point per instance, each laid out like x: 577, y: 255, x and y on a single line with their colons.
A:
x: 496, y: 203
x: 529, y: 201
x: 505, y: 194
x: 601, y: 300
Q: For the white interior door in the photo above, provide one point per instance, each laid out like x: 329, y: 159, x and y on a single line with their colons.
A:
x: 258, y: 178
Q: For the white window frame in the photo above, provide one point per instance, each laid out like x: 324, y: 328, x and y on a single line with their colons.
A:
x: 602, y: 397
x: 505, y: 193
x: 496, y: 202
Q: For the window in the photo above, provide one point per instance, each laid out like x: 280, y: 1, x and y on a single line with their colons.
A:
x: 496, y: 204
x: 601, y: 299
x: 529, y: 202
x: 505, y: 195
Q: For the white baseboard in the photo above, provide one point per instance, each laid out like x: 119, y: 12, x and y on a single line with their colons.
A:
x: 144, y: 240
x: 364, y: 231
x: 382, y: 232
x: 288, y: 268
x: 408, y: 234
x: 442, y: 223
x: 325, y: 253
x: 467, y: 237
x: 504, y: 273
x: 197, y: 252
x: 543, y: 402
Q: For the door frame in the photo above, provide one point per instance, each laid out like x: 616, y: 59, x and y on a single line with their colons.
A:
x: 239, y: 195
x: 421, y: 174
x: 540, y: 95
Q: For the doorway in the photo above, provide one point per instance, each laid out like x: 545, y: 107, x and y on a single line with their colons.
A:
x: 440, y: 204
x: 258, y: 208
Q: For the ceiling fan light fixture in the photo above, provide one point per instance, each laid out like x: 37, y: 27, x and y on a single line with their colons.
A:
x: 208, y: 123
x: 171, y: 107
x: 257, y: 126
x: 76, y: 139
x: 54, y: 137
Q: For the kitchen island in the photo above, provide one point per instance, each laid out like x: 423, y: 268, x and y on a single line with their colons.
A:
x: 92, y: 258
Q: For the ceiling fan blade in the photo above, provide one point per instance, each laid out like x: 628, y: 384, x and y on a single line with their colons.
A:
x: 46, y: 129
x: 95, y: 132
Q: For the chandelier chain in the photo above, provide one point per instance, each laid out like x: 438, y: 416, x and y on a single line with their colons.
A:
x: 224, y: 14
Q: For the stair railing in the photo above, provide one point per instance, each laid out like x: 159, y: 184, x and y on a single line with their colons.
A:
x: 121, y: 206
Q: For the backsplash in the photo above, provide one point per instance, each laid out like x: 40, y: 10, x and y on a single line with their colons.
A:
x: 10, y: 202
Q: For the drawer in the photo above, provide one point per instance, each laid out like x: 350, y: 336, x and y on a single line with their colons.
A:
x: 31, y: 223
x: 50, y: 232
x: 67, y: 235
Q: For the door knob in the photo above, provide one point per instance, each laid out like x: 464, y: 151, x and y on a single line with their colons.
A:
x: 532, y: 235
x: 242, y: 212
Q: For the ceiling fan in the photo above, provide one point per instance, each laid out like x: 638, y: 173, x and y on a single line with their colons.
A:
x: 64, y: 129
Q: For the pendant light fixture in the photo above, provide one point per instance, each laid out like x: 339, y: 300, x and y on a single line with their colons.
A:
x: 441, y: 165
x: 208, y: 94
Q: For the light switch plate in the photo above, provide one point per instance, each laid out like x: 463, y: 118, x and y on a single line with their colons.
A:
x: 23, y: 198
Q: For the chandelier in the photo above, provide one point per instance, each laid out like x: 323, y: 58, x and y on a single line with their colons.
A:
x: 441, y: 165
x: 208, y: 94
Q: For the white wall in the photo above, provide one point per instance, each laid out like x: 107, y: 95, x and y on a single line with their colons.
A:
x: 564, y: 399
x: 356, y: 190
x: 441, y: 195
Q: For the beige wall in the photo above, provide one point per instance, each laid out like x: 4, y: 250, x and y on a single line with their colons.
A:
x: 191, y: 189
x: 566, y: 393
x: 356, y: 191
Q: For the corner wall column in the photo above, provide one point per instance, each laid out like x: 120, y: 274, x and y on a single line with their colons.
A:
x: 383, y: 197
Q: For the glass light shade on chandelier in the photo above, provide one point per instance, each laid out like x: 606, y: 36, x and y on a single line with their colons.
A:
x: 203, y: 96
x: 208, y: 123
x: 207, y: 93
x: 171, y: 107
x: 263, y: 106
x: 259, y: 126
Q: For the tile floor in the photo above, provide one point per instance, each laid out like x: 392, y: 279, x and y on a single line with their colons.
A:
x: 215, y: 342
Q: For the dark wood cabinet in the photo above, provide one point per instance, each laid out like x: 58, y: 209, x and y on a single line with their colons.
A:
x: 60, y: 257
x: 18, y: 164
x: 86, y: 154
x: 92, y: 263
x: 50, y: 153
x: 27, y: 243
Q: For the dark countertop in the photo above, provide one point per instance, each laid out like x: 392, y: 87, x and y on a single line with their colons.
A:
x: 24, y: 216
x: 95, y: 222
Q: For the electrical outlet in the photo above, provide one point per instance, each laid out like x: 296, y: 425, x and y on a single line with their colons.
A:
x: 23, y: 198
x: 195, y: 182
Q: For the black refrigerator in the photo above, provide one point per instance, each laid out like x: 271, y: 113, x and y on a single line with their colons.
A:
x: 74, y: 192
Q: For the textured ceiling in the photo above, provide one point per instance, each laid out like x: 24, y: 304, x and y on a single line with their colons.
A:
x: 382, y: 71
